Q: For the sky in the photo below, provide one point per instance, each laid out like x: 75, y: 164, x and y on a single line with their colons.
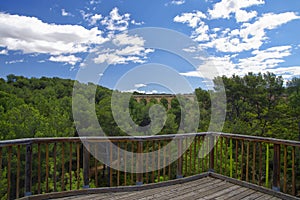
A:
x: 55, y: 38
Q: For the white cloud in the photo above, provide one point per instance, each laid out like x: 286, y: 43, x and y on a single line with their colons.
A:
x: 254, y: 34
x: 177, y: 2
x: 70, y: 59
x: 115, y: 21
x: 191, y: 19
x: 201, y: 33
x: 194, y: 20
x: 142, y: 91
x: 244, y: 16
x: 31, y: 35
x: 14, y: 61
x: 85, y: 16
x: 261, y: 61
x: 127, y: 48
x: 247, y: 38
x: 92, y: 2
x: 250, y: 35
x: 224, y: 8
x: 94, y: 19
x: 124, y: 39
x: 213, y: 66
x: 287, y: 72
x: 4, y: 52
x: 138, y: 85
x: 137, y: 23
x: 65, y: 13
x: 264, y: 60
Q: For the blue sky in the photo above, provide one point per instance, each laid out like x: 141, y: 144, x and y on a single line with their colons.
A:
x: 53, y: 38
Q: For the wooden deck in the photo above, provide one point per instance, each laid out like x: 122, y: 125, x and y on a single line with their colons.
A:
x: 203, y: 186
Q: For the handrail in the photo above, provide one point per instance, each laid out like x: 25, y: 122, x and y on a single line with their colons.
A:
x: 42, y: 165
x: 143, y: 138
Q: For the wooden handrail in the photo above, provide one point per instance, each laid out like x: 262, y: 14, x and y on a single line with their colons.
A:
x: 47, y: 164
x: 25, y: 141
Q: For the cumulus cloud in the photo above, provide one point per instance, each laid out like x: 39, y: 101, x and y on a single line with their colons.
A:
x: 191, y: 19
x: 137, y: 23
x: 14, y: 61
x: 94, y: 19
x: 3, y: 52
x: 287, y: 72
x: 212, y: 66
x: 115, y: 21
x: 250, y: 36
x: 177, y: 2
x: 138, y: 85
x: 92, y: 2
x: 127, y: 48
x: 31, y: 35
x: 194, y: 20
x: 244, y: 16
x: 260, y: 61
x: 243, y: 44
x: 65, y: 13
x: 224, y: 8
x: 264, y: 60
x: 70, y: 59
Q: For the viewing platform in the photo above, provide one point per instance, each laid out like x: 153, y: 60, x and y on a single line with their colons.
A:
x: 234, y: 167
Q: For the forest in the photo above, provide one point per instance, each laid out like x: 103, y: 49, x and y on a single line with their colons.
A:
x: 257, y: 104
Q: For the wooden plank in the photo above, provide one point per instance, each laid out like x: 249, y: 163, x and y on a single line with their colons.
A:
x: 39, y: 168
x: 242, y: 160
x: 236, y: 158
x: 138, y: 138
x: 253, y: 162
x: 125, y: 164
x: 28, y: 169
x: 118, y: 165
x: 284, y: 168
x: 243, y: 194
x: 222, y: 192
x: 1, y: 163
x: 221, y: 155
x: 70, y: 164
x: 54, y: 168
x: 147, y: 162
x: 232, y: 193
x: 179, y: 160
x: 47, y: 168
x: 62, y: 166
x: 18, y: 172
x: 78, y: 165
x: 293, y: 172
x: 9, y: 172
x: 253, y: 196
x: 260, y: 165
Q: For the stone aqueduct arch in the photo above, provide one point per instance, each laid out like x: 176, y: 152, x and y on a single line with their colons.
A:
x: 158, y: 97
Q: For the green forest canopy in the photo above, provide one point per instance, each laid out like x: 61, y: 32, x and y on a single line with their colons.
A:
x: 257, y: 104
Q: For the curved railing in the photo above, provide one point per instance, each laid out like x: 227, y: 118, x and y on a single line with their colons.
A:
x: 44, y: 165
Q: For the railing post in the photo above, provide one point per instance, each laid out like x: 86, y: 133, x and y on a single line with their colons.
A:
x: 86, y: 167
x: 211, y: 153
x: 28, y: 170
x: 276, y: 168
x: 139, y: 175
x: 179, y: 160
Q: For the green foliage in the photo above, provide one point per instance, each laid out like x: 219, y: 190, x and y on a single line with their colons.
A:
x: 259, y: 104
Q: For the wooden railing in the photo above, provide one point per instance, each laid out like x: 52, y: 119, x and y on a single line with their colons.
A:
x: 44, y: 165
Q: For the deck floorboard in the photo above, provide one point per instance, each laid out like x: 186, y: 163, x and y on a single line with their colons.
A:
x: 203, y: 189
